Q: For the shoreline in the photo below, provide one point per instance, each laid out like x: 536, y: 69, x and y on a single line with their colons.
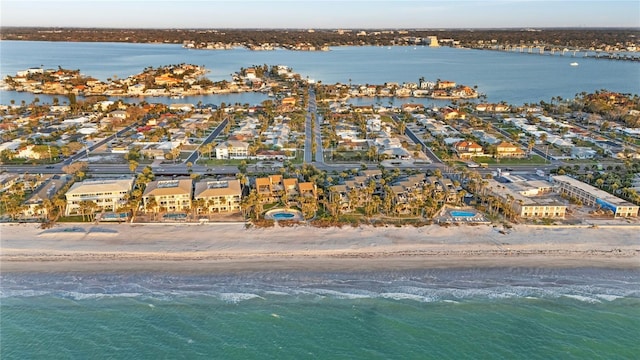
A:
x: 230, y: 248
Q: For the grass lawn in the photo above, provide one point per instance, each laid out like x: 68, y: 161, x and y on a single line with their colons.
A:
x: 533, y: 160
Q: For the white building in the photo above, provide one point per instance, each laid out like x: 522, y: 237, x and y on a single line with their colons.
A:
x: 232, y: 149
x: 107, y: 194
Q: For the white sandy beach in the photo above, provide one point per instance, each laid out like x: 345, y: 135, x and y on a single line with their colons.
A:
x: 231, y: 247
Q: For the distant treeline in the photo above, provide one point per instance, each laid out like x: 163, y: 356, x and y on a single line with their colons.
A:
x: 582, y: 38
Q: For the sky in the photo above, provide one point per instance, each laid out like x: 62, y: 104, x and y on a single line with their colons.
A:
x: 317, y: 14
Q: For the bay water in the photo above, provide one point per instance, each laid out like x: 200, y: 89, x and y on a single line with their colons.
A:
x: 503, y: 76
x: 492, y: 313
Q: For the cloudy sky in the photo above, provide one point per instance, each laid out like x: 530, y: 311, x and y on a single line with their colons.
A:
x: 320, y: 13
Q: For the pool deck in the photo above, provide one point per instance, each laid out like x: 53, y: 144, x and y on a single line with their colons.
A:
x: 446, y: 216
x: 297, y: 215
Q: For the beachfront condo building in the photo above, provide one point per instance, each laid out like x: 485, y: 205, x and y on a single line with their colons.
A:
x: 168, y: 195
x: 34, y: 206
x: 530, y: 199
x: 592, y: 196
x: 219, y: 196
x: 106, y: 194
x: 274, y: 188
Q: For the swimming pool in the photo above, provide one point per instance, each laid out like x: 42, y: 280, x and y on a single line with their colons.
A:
x: 283, y: 216
x: 458, y: 213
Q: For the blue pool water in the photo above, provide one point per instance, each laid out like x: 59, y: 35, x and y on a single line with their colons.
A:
x: 462, y: 213
x: 283, y: 216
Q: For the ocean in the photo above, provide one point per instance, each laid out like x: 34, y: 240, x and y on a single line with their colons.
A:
x: 493, y: 313
x: 512, y: 77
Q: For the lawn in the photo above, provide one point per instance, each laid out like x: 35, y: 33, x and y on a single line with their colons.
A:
x: 533, y: 160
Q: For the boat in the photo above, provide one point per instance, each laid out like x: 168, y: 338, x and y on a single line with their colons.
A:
x: 574, y: 64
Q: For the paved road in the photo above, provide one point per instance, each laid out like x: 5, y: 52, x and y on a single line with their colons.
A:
x: 85, y: 153
x: 194, y: 155
x: 430, y: 154
x: 308, y: 153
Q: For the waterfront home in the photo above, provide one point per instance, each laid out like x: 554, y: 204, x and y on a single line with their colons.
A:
x: 181, y: 107
x: 444, y: 84
x: 412, y: 107
x: 168, y: 195
x: 107, y: 194
x: 219, y: 196
x: 270, y: 188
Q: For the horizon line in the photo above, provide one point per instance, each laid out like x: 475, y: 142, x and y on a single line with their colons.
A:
x: 328, y: 28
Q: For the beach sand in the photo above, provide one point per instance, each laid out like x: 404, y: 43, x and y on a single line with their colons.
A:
x: 234, y: 248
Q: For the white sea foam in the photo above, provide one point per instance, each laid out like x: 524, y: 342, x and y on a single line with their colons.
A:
x: 340, y: 295
x: 609, y: 297
x: 405, y: 296
x: 451, y: 301
x: 582, y: 298
x: 22, y: 293
x: 238, y: 297
x: 75, y: 295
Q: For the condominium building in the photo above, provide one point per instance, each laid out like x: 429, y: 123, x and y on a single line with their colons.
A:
x: 168, y: 195
x: 219, y: 196
x: 528, y: 198
x: 592, y: 196
x: 275, y: 188
x: 107, y: 194
x: 34, y: 205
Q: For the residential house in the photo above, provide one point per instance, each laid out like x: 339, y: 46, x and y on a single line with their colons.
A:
x: 412, y: 107
x: 120, y: 114
x: 288, y: 104
x: 232, y: 149
x: 506, y: 149
x: 468, y: 149
x: 581, y: 152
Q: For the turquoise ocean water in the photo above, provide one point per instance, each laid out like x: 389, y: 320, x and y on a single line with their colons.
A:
x: 428, y: 314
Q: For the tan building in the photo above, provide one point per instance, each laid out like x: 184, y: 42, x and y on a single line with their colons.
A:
x: 592, y: 196
x: 274, y: 188
x: 506, y: 149
x: 270, y: 188
x: 168, y: 195
x: 107, y: 194
x: 219, y: 196
x: 468, y: 149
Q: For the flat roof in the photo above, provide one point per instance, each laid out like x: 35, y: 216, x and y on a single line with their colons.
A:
x: 597, y: 193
